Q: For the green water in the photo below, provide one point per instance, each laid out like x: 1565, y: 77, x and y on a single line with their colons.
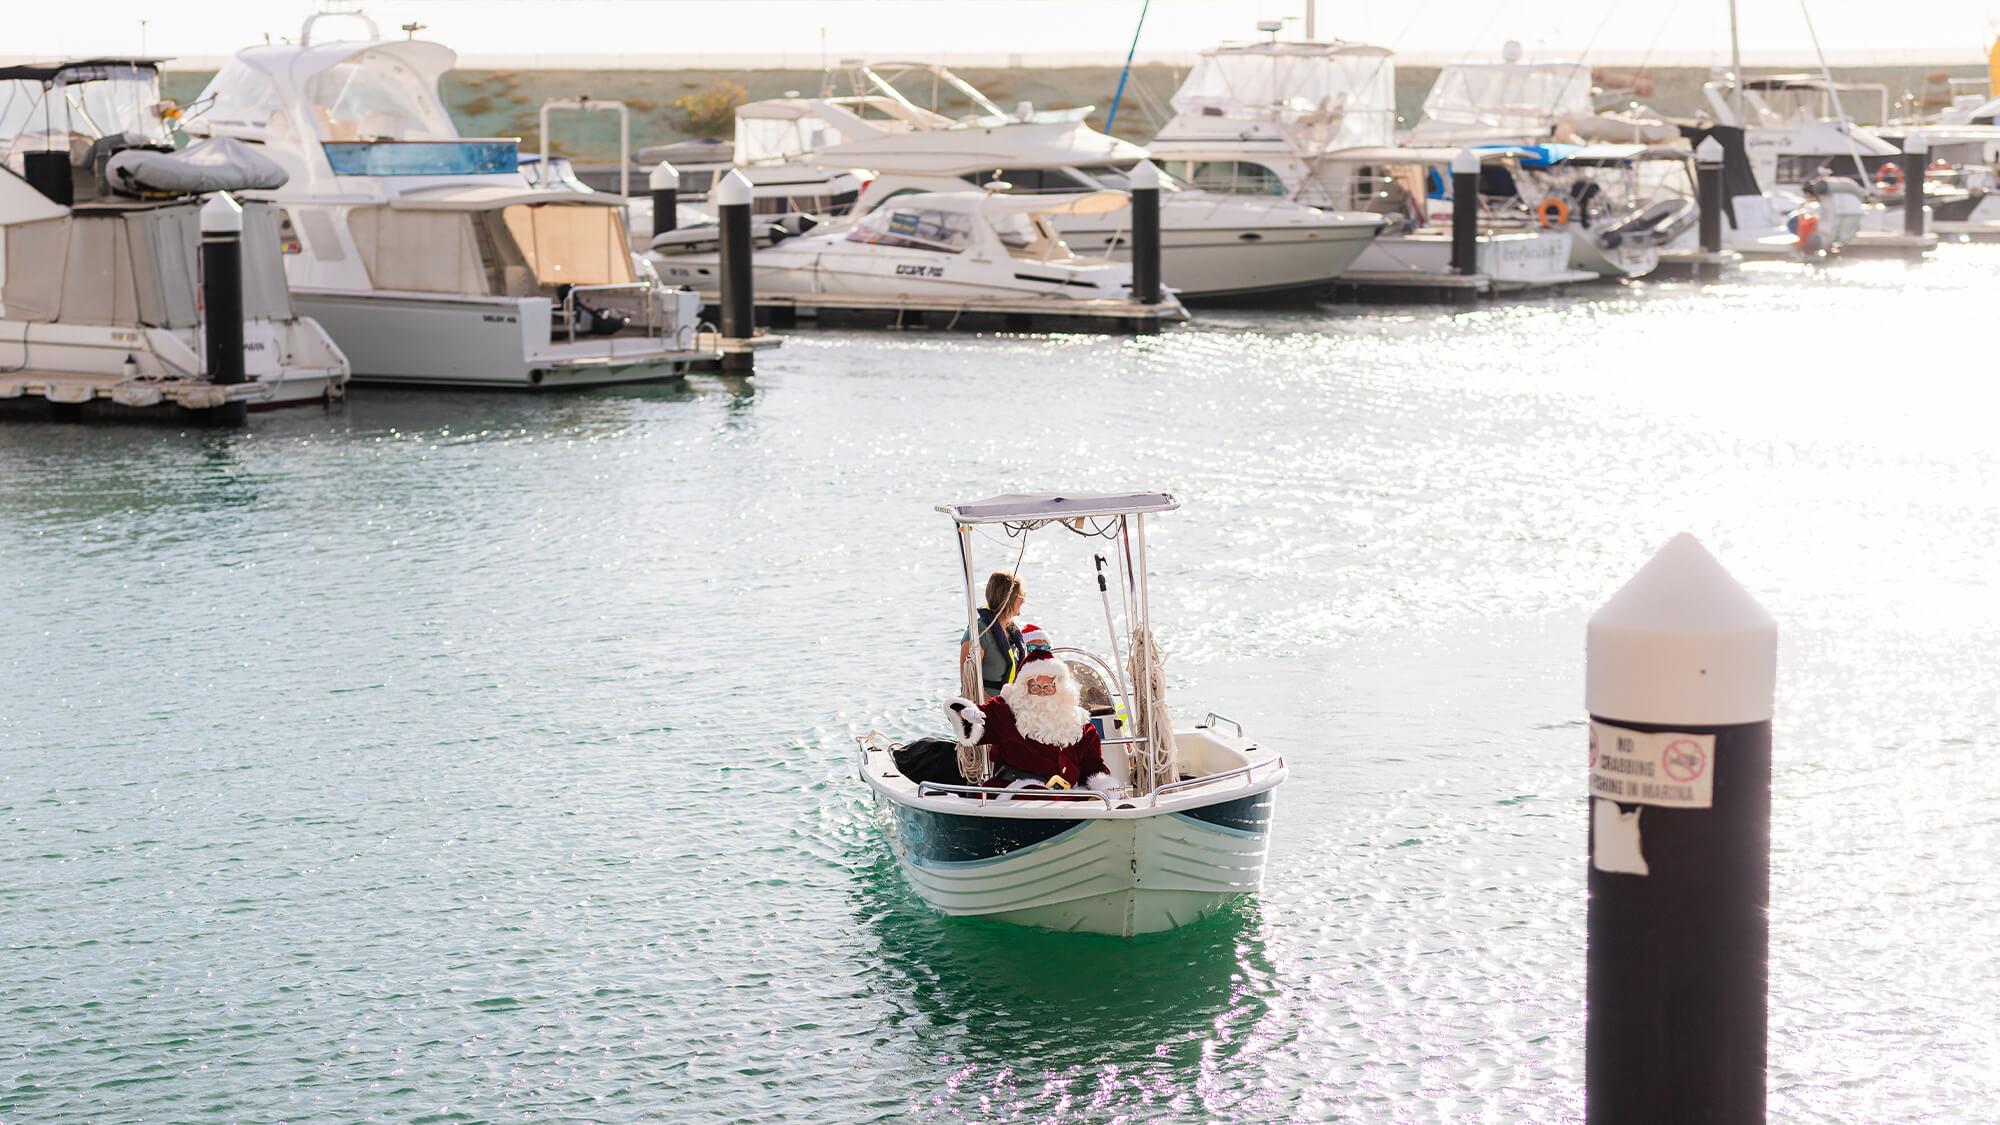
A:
x: 488, y: 758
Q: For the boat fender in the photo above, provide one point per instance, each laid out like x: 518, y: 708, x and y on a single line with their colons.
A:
x: 1889, y: 177
x: 1552, y: 212
x: 968, y: 722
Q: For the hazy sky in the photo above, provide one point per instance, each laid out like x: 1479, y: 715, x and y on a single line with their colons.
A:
x: 798, y: 32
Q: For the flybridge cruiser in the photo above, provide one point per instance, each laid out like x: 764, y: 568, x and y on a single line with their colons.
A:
x: 101, y: 291
x: 1180, y: 826
x: 1314, y: 123
x: 963, y: 259
x: 429, y: 256
x: 1212, y: 245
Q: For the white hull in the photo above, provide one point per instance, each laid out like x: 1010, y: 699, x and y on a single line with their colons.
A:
x: 494, y: 342
x: 1121, y: 868
x: 1627, y: 259
x: 1513, y: 261
x: 1205, y: 262
x: 285, y: 363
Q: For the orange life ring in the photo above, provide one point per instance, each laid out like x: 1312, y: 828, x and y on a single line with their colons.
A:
x: 1552, y: 212
x: 1889, y: 177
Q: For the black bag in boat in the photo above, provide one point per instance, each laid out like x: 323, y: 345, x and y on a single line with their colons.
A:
x: 929, y: 759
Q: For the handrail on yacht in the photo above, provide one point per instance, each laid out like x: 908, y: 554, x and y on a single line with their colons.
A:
x: 569, y: 303
x: 937, y: 788
x: 1214, y: 718
x: 1190, y: 782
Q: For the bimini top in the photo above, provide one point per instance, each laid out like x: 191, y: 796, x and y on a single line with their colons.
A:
x: 1015, y: 506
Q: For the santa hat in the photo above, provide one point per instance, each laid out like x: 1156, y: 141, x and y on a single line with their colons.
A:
x: 1039, y: 661
x: 1034, y: 640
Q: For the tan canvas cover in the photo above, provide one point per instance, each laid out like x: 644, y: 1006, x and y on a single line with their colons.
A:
x: 265, y: 294
x: 423, y: 251
x: 167, y: 244
x: 36, y: 255
x: 571, y: 245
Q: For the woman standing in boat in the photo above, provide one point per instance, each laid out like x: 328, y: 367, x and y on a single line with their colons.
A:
x: 1000, y: 644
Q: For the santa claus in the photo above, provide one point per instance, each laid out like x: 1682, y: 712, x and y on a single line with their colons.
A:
x: 1035, y: 729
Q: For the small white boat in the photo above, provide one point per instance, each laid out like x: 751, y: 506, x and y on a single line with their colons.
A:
x: 965, y: 259
x: 100, y: 290
x: 1213, y: 245
x: 1184, y: 831
x: 430, y: 257
x: 1314, y: 123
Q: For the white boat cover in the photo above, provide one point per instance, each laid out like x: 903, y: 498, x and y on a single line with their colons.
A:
x: 1058, y: 506
x: 216, y: 164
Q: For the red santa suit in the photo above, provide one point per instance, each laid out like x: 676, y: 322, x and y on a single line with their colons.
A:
x: 1010, y: 747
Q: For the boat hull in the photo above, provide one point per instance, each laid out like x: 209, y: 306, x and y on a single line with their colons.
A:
x: 456, y: 341
x: 1098, y: 875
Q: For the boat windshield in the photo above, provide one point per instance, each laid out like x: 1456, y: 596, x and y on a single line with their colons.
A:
x: 82, y: 102
x: 1031, y: 181
x: 374, y: 95
x: 918, y: 228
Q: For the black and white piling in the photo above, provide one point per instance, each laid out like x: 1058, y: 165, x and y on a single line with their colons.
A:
x: 1916, y: 161
x: 664, y: 182
x: 739, y: 311
x: 1465, y: 212
x: 1680, y: 678
x: 1145, y: 185
x: 222, y: 287
x: 1708, y: 193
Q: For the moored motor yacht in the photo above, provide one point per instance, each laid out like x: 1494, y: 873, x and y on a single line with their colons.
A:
x: 1213, y: 245
x: 1314, y: 123
x: 429, y: 256
x: 102, y: 284
x: 963, y: 259
x: 1179, y: 827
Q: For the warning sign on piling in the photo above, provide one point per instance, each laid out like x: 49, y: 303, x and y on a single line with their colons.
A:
x: 1664, y: 768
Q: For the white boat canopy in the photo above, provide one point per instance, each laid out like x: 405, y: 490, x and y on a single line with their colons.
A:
x: 1016, y: 507
x: 1352, y: 85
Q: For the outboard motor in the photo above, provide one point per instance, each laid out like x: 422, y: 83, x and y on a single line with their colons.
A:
x: 589, y: 321
x: 1839, y: 202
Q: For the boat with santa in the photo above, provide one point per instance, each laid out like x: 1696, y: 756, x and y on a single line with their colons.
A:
x: 1174, y: 824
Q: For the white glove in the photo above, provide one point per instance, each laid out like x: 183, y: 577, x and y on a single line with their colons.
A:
x: 968, y: 722
x: 1103, y: 783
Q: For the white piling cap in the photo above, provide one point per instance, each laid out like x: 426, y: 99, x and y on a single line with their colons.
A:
x: 1916, y: 144
x: 1465, y: 162
x: 221, y: 215
x: 1681, y: 643
x: 1709, y: 151
x: 663, y: 178
x: 733, y: 191
x: 1144, y: 177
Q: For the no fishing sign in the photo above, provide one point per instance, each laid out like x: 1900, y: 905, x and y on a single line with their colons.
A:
x: 1665, y: 768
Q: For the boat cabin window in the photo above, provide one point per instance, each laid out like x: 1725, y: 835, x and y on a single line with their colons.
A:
x: 919, y: 228
x: 571, y: 245
x: 373, y: 95
x: 245, y: 100
x: 1237, y: 177
x: 1030, y: 180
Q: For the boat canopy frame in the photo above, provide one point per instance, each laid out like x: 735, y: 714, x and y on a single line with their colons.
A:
x: 1117, y: 516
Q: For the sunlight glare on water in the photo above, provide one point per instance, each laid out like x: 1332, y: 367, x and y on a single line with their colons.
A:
x: 474, y: 757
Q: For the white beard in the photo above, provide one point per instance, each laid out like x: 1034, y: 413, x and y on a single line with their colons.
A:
x: 1054, y: 720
